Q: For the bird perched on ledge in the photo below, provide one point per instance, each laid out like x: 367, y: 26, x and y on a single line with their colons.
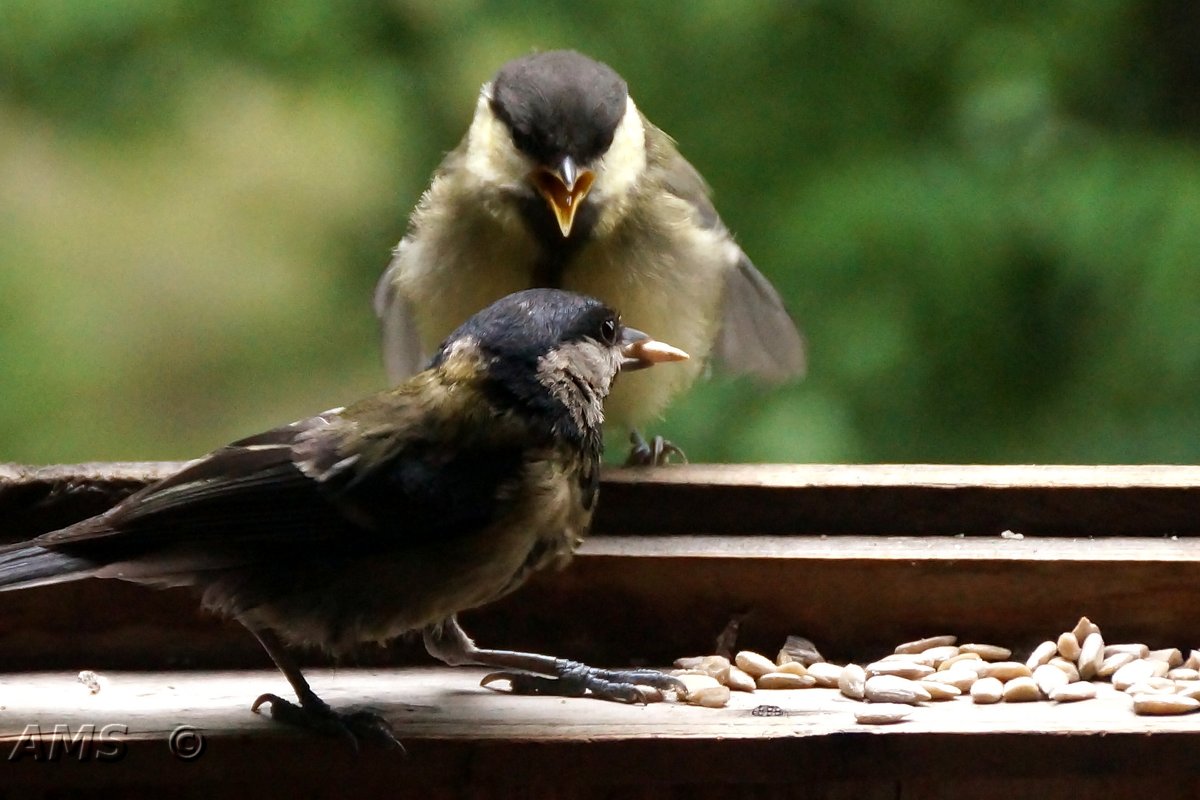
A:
x: 561, y: 182
x: 393, y: 514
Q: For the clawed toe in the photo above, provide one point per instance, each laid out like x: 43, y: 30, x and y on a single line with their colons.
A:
x: 575, y: 680
x: 655, y: 453
x: 356, y: 727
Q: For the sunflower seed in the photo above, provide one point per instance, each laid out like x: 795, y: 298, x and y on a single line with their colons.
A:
x: 1041, y: 654
x: 739, y: 681
x: 909, y: 670
x: 1164, y: 704
x: 988, y: 652
x: 881, y: 713
x: 1074, y: 692
x: 1021, y: 690
x: 921, y: 645
x: 754, y: 664
x: 891, y: 689
x: 785, y: 680
x: 852, y: 681
x: 987, y: 690
x: 1049, y: 678
x: 1084, y: 628
x: 826, y: 674
x: 1091, y: 655
x: 710, y: 696
x: 1068, y: 646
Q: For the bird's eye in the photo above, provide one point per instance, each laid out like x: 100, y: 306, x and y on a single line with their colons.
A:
x: 608, y: 331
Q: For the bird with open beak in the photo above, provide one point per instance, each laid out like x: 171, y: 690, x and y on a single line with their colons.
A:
x: 391, y: 515
x: 561, y: 182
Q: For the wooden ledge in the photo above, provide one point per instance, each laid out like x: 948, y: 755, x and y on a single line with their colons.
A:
x: 462, y: 740
x: 902, y: 499
x: 857, y: 558
x: 737, y: 499
x: 449, y: 703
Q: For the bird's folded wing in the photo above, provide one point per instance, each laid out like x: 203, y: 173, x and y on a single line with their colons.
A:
x: 237, y: 499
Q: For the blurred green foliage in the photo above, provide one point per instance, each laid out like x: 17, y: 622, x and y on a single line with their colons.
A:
x: 986, y: 216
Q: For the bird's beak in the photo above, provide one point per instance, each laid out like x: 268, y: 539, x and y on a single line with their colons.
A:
x: 640, y: 351
x: 564, y: 188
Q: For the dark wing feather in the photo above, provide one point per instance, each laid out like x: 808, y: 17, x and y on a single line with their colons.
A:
x: 244, y: 503
x: 437, y: 468
x: 757, y: 335
x: 329, y: 485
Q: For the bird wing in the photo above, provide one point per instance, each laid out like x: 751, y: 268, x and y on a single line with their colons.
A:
x: 402, y: 352
x: 345, y: 485
x: 244, y: 495
x: 757, y: 335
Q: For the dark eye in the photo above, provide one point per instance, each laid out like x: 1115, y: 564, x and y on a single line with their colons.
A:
x: 608, y: 331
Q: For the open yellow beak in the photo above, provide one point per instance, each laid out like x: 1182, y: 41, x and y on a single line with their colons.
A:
x: 564, y: 189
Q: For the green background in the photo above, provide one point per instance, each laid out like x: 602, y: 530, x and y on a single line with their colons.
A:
x: 985, y: 216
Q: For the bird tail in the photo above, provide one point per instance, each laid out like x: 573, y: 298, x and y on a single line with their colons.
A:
x: 24, y: 565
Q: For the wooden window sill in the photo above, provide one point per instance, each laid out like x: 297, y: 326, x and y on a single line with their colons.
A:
x: 857, y: 558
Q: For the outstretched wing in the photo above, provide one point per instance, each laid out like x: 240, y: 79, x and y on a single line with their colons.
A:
x: 757, y: 335
x: 402, y: 352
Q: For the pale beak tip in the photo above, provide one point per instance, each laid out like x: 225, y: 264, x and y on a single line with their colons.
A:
x: 648, y: 352
x: 657, y: 351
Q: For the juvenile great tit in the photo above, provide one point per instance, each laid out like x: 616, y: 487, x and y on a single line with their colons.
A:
x: 393, y: 514
x: 561, y: 182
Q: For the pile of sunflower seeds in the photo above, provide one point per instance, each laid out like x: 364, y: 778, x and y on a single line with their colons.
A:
x: 1062, y: 670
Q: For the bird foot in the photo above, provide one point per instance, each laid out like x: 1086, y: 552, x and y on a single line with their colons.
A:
x: 574, y: 680
x: 655, y: 453
x: 355, y: 727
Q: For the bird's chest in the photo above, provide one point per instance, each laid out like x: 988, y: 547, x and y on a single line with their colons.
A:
x: 540, y: 525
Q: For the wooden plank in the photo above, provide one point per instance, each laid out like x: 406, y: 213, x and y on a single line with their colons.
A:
x: 902, y: 548
x: 448, y: 703
x: 464, y: 741
x: 891, y: 499
x: 736, y: 499
x: 653, y: 599
x: 35, y: 499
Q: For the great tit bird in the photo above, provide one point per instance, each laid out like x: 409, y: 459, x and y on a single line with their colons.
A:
x: 393, y: 514
x: 561, y: 182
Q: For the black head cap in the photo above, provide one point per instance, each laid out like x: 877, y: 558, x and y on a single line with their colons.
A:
x: 525, y: 325
x: 559, y: 103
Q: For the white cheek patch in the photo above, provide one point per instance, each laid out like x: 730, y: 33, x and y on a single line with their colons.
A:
x: 618, y: 171
x: 492, y: 158
x: 588, y: 362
